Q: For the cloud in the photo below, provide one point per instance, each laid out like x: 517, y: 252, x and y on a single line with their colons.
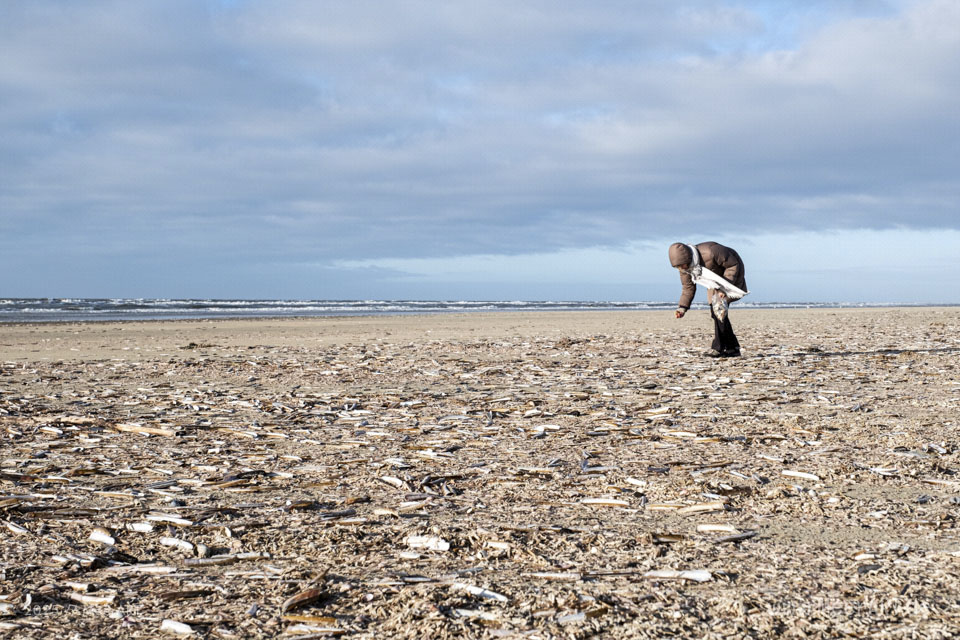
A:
x: 315, y: 132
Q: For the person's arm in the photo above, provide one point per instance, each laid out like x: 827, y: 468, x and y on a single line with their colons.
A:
x: 688, y: 291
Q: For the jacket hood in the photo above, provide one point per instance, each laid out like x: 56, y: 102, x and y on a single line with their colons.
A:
x: 680, y: 254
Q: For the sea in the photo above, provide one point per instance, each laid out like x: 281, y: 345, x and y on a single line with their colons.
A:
x: 114, y: 309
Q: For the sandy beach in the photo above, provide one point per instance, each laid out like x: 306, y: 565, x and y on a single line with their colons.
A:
x: 527, y: 475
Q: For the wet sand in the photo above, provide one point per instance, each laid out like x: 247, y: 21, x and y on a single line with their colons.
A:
x: 542, y: 475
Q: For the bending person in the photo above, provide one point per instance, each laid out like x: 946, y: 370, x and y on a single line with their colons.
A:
x: 702, y: 264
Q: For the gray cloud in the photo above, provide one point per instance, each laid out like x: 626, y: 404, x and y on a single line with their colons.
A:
x: 311, y: 132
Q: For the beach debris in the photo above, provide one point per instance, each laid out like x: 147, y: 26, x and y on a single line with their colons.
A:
x: 16, y: 529
x: 555, y: 576
x: 178, y: 543
x: 736, y: 537
x: 139, y: 428
x: 176, y: 628
x: 316, y: 479
x: 703, y: 507
x: 477, y: 614
x: 480, y: 592
x: 92, y: 599
x: 102, y: 535
x: 712, y: 527
x: 302, y: 599
x: 605, y: 502
x: 430, y: 543
x: 693, y: 575
x: 803, y: 475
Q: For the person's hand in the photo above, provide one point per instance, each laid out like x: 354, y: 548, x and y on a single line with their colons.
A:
x: 679, y: 313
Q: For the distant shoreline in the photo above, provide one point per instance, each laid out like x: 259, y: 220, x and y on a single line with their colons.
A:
x: 72, y: 310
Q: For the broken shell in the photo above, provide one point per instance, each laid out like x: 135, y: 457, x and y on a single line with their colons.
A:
x: 17, y: 529
x: 176, y: 628
x: 89, y: 599
x: 102, y: 536
x: 211, y: 561
x: 536, y: 471
x: 800, y: 474
x: 663, y: 506
x: 486, y: 616
x: 183, y: 545
x: 704, y: 507
x: 431, y: 543
x: 480, y: 592
x: 737, y: 537
x: 695, y: 575
x: 713, y: 528
x: 605, y: 502
x: 170, y: 519
x: 666, y: 538
x: 392, y: 481
x: 559, y: 577
x: 302, y: 599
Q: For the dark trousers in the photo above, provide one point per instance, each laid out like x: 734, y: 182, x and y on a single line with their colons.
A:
x: 724, y: 339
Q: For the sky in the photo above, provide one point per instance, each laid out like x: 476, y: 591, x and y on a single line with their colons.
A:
x: 476, y: 150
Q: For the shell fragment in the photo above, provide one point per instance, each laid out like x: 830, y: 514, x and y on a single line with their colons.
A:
x: 694, y: 575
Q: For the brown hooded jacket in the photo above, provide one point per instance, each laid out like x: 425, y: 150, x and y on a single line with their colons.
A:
x: 722, y: 260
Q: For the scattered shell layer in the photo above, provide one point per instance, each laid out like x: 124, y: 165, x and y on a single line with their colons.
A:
x: 554, y: 482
